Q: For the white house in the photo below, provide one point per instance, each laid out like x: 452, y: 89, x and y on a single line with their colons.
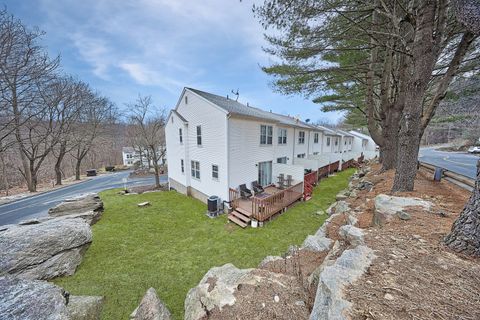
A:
x: 216, y: 144
x: 364, y: 144
x: 132, y: 156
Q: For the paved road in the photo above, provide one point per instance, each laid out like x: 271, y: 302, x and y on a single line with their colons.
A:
x: 458, y: 162
x: 38, y: 205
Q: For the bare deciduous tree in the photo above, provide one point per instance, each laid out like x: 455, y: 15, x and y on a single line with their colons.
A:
x: 148, y: 123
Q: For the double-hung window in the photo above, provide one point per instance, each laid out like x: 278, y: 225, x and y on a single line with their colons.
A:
x: 215, y: 171
x: 266, y: 133
x: 301, y: 155
x: 180, y: 135
x: 182, y: 165
x: 301, y: 137
x: 199, y: 135
x: 328, y: 141
x: 315, y: 138
x: 195, y: 169
x: 282, y: 136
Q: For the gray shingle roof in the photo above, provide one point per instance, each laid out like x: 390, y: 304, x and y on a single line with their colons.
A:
x: 236, y: 108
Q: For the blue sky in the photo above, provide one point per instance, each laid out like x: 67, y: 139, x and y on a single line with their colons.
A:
x: 157, y: 47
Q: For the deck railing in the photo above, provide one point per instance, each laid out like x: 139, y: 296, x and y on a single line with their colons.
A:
x: 311, y: 178
x: 334, y: 166
x: 264, y: 208
x: 234, y: 196
x: 347, y: 164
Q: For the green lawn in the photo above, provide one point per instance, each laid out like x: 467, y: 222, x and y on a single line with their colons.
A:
x: 172, y: 244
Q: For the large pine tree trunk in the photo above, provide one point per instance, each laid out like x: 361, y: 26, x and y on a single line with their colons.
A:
x: 390, y: 147
x: 411, y: 124
x: 465, y: 234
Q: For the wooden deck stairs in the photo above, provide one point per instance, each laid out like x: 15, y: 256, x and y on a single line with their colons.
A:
x: 240, y: 217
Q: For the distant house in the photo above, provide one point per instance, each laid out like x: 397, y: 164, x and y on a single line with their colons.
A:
x: 133, y: 156
x: 218, y: 146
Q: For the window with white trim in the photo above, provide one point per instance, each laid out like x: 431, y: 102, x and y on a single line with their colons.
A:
x: 328, y: 141
x: 315, y: 137
x: 182, y: 165
x: 301, y: 137
x: 195, y: 169
x: 336, y: 141
x: 301, y: 155
x: 282, y: 136
x: 214, y: 171
x: 180, y: 135
x: 266, y: 133
x: 199, y: 135
x: 315, y: 153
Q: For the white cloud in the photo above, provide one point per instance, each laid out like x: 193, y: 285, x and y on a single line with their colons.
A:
x: 145, y: 76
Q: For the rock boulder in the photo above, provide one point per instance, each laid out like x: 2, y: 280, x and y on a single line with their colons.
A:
x: 45, y: 250
x: 317, y: 243
x: 386, y: 207
x: 151, y: 308
x: 88, y: 207
x: 31, y: 300
x: 330, y: 302
x: 85, y: 307
x: 352, y: 235
x: 227, y: 292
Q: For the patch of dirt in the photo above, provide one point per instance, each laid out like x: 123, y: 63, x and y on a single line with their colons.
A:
x: 414, y: 275
x: 281, y: 299
x: 300, y: 264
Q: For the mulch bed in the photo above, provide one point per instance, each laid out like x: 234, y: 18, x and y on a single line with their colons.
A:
x: 414, y: 275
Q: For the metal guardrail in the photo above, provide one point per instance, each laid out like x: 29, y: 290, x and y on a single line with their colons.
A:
x: 459, y: 179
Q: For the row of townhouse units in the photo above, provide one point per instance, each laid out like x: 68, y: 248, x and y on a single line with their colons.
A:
x: 254, y: 160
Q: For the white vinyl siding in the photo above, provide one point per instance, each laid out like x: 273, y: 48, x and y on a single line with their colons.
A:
x: 266, y: 135
x: 195, y: 169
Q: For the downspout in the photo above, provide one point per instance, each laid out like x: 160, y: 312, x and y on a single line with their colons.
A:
x: 227, y: 152
x: 294, y: 141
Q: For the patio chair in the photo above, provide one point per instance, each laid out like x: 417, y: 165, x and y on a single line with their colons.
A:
x: 289, y: 181
x: 245, y: 193
x: 257, y: 188
x: 281, y: 181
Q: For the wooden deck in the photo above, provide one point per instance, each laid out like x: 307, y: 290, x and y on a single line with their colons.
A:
x: 265, y: 206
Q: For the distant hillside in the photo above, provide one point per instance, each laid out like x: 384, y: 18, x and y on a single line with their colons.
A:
x: 458, y: 116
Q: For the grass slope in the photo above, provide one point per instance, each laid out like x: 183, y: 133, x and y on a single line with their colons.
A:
x: 172, y: 244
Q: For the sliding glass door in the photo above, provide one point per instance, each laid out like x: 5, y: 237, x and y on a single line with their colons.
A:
x: 265, y: 173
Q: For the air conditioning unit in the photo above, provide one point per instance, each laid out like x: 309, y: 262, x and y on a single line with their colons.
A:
x: 214, y: 205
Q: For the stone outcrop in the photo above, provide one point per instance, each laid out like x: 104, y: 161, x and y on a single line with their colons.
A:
x: 387, y: 207
x: 330, y: 302
x: 88, y: 207
x: 44, y: 250
x: 31, y: 300
x: 85, y: 307
x: 151, y: 308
